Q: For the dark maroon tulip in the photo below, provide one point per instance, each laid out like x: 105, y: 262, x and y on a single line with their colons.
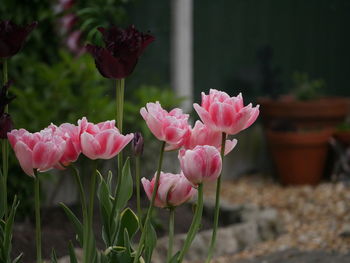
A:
x: 12, y: 37
x: 6, y: 125
x: 137, y: 144
x: 122, y: 49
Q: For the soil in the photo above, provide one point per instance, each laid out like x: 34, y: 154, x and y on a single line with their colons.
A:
x: 57, y: 229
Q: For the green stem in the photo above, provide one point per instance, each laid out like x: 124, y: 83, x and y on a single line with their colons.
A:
x: 150, y: 208
x: 89, y: 246
x: 120, y: 86
x: 171, y: 232
x: 4, y: 145
x: 37, y: 218
x: 217, y: 206
x: 138, y: 191
x: 194, y: 225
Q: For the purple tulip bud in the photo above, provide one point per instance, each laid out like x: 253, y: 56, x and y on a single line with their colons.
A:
x: 137, y: 144
x: 12, y: 37
x: 6, y: 125
x: 122, y: 49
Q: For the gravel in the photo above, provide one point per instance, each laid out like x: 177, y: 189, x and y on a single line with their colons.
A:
x: 314, y: 218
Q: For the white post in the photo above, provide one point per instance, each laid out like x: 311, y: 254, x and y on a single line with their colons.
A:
x: 181, y: 50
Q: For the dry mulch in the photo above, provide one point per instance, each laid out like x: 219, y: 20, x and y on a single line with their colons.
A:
x: 314, y: 218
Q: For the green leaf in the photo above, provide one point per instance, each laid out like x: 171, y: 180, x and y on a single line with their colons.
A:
x: 104, y: 196
x: 76, y: 223
x: 129, y: 222
x: 126, y: 186
x: 8, y: 230
x: 72, y: 256
x: 174, y: 258
x: 2, y: 197
x: 150, y: 242
x: 88, y: 23
x: 87, y: 10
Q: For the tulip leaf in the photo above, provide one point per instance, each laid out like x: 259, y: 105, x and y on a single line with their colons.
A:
x: 129, y: 222
x: 72, y: 256
x: 150, y: 242
x: 174, y: 258
x: 76, y: 223
x: 2, y: 196
x: 8, y: 230
x: 126, y: 187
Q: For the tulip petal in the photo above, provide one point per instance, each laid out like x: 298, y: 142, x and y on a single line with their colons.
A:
x: 25, y: 157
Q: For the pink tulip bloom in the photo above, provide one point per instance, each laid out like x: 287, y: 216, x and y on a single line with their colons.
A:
x: 71, y: 135
x: 102, y: 140
x: 173, y: 189
x: 41, y: 150
x: 201, y: 134
x: 200, y: 165
x: 171, y: 127
x: 223, y: 113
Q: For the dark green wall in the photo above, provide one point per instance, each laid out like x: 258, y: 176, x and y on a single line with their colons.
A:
x: 311, y: 36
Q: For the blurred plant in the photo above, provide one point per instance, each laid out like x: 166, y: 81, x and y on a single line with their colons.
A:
x: 100, y: 13
x: 305, y: 88
x: 66, y: 90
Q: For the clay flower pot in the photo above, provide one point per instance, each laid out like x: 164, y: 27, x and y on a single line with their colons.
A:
x: 318, y: 113
x: 299, y: 157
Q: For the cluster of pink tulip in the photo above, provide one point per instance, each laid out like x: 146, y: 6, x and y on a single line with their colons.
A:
x: 57, y: 147
x: 201, y: 151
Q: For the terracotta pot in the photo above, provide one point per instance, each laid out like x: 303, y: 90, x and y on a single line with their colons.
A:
x: 343, y: 137
x: 320, y: 113
x: 299, y: 157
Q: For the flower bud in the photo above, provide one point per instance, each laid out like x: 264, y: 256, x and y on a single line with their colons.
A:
x: 6, y: 125
x: 173, y: 190
x: 200, y: 165
x: 137, y: 144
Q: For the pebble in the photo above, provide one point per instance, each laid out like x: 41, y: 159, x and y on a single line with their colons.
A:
x: 314, y: 218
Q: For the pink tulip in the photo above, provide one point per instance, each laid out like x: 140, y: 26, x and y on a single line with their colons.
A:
x: 71, y: 135
x: 102, y: 140
x: 200, y: 165
x: 173, y: 189
x: 41, y: 150
x: 200, y: 134
x: 171, y: 127
x: 223, y: 113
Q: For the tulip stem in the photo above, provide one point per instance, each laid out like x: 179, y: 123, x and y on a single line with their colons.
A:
x: 150, y: 208
x: 171, y: 232
x: 4, y: 146
x: 138, y: 191
x: 196, y: 221
x: 120, y: 84
x: 37, y: 218
x: 217, y: 204
x: 89, y: 248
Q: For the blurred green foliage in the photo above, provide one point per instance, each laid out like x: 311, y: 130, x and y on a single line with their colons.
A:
x: 306, y: 88
x: 53, y: 85
x: 61, y: 92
